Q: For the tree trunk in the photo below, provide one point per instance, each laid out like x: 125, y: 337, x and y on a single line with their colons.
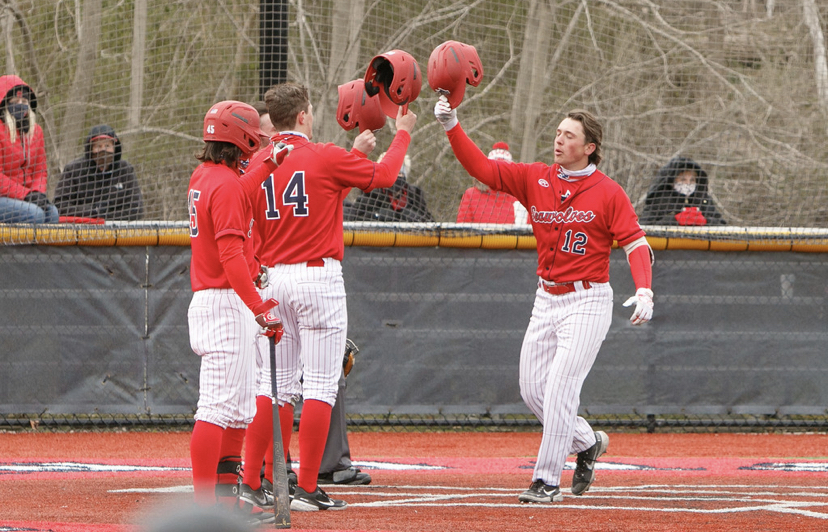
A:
x: 347, y: 17
x: 811, y: 16
x: 136, y: 82
x: 71, y: 129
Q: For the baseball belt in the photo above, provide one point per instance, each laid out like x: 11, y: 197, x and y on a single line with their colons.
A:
x: 557, y: 289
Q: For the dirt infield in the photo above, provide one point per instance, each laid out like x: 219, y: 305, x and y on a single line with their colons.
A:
x: 440, y: 482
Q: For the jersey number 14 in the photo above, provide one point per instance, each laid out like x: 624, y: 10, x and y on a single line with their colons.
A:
x: 293, y: 194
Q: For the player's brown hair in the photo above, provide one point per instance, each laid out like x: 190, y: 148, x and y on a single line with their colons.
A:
x: 220, y: 152
x: 593, y: 132
x: 284, y: 103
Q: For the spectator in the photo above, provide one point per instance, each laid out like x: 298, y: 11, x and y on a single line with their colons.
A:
x: 679, y: 196
x: 482, y: 205
x: 100, y: 184
x: 23, y: 170
x: 401, y: 202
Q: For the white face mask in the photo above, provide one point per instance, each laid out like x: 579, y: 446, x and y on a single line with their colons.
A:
x: 685, y: 189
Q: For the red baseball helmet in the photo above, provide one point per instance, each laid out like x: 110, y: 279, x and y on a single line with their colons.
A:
x: 396, y: 77
x: 356, y: 108
x: 236, y: 123
x: 452, y: 65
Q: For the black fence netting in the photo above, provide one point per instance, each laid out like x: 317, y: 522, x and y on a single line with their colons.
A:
x: 96, y: 337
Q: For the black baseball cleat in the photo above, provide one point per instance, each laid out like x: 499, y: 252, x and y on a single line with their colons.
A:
x: 541, y: 492
x: 267, y: 486
x: 351, y: 476
x: 258, y: 497
x: 585, y: 465
x: 313, y: 502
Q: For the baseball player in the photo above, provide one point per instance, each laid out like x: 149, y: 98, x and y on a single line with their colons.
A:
x: 576, y: 213
x: 299, y: 222
x: 226, y: 312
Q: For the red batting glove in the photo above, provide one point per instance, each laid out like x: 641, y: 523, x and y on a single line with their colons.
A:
x: 268, y: 321
x: 690, y: 216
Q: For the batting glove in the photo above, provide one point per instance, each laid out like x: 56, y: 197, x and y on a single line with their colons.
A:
x: 261, y: 281
x: 280, y: 152
x: 445, y: 114
x: 643, y: 300
x: 268, y: 321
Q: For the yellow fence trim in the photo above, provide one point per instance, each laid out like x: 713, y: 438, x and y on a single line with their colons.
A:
x: 433, y: 235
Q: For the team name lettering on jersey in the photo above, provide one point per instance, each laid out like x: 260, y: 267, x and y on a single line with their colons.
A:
x: 568, y: 216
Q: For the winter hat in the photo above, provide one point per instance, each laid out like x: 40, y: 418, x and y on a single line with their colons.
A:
x: 500, y: 152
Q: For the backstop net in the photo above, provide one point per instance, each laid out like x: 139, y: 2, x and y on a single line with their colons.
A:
x: 740, y: 87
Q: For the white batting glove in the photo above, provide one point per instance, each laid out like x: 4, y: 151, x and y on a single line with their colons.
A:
x: 445, y: 114
x: 280, y: 151
x: 643, y: 300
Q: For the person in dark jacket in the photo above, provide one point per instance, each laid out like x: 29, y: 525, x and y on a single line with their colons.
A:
x: 100, y: 184
x: 401, y: 202
x: 679, y: 196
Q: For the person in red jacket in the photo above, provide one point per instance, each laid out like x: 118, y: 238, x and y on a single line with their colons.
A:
x: 23, y: 170
x: 482, y: 205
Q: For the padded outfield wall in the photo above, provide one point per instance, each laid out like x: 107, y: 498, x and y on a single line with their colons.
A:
x: 101, y: 329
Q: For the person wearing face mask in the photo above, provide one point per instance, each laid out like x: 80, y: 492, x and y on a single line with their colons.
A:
x: 402, y: 202
x: 100, y: 184
x: 23, y: 171
x: 679, y: 196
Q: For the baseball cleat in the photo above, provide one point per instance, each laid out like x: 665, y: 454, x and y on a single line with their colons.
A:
x: 257, y: 497
x: 541, y: 492
x: 267, y: 487
x: 351, y: 476
x: 312, y: 502
x: 585, y: 465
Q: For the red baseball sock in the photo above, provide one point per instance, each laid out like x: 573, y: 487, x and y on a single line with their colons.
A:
x: 205, y: 447
x: 313, y: 433
x: 258, y: 440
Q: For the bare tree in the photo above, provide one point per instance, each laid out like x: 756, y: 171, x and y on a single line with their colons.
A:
x: 136, y: 82
x: 811, y: 16
x: 89, y: 33
x: 346, y: 18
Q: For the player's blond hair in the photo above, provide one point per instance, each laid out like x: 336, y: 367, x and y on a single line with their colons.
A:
x: 593, y: 132
x: 284, y: 103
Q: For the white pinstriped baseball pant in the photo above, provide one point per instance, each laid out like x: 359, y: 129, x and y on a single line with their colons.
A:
x: 223, y: 333
x: 561, y: 343
x: 315, y: 317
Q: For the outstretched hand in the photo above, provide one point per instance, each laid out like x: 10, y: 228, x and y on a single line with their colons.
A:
x: 365, y: 142
x: 405, y: 120
x: 444, y: 113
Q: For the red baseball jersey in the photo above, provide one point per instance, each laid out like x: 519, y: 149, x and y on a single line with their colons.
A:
x: 218, y: 206
x: 298, y: 209
x: 490, y: 207
x: 574, y: 222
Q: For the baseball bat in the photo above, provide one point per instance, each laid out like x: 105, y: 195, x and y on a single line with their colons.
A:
x: 280, y: 478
